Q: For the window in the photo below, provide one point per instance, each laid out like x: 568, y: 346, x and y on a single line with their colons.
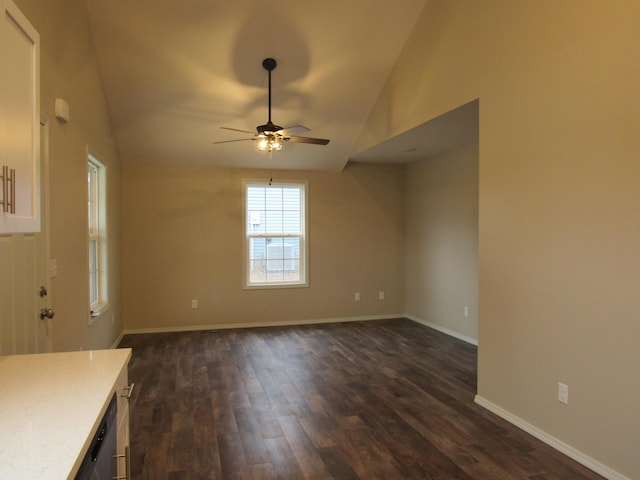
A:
x: 97, y: 237
x: 276, y: 234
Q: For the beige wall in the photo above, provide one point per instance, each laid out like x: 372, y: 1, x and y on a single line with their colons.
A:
x: 69, y: 71
x: 559, y: 216
x: 182, y: 237
x: 441, y: 242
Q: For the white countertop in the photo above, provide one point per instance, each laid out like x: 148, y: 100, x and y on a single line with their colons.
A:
x: 50, y: 407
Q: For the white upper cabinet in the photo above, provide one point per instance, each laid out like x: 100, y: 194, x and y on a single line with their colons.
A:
x: 19, y: 122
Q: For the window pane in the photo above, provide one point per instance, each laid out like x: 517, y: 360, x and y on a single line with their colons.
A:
x: 283, y: 254
x: 291, y: 222
x: 93, y: 271
x: 274, y: 222
x: 274, y: 198
x: 291, y: 198
x: 274, y: 256
x: 255, y: 221
x: 256, y: 271
x: 257, y: 248
x: 92, y: 195
x: 275, y: 276
x: 292, y: 251
x: 293, y: 275
x: 255, y: 198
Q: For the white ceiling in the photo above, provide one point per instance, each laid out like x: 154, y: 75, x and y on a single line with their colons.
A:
x: 174, y: 72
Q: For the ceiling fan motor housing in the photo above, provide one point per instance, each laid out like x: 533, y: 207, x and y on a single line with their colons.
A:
x: 268, y: 128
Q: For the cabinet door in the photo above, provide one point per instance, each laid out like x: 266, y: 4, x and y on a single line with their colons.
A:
x: 19, y: 120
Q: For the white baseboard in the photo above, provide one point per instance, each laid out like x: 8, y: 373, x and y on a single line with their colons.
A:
x: 227, y: 326
x: 444, y: 330
x: 117, y: 341
x: 550, y: 440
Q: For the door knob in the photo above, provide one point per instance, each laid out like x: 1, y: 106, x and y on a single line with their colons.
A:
x: 46, y: 313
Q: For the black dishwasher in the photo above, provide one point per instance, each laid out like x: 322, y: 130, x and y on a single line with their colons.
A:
x: 100, y: 462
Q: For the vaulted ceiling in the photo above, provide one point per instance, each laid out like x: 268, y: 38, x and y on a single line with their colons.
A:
x: 174, y: 72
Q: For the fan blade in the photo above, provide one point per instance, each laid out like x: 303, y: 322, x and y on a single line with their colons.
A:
x: 230, y: 141
x: 294, y: 130
x: 237, y: 130
x: 314, y: 141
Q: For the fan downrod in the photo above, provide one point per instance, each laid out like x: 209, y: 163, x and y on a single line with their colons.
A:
x: 269, y: 64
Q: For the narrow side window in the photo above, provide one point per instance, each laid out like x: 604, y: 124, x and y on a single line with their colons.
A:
x: 97, y: 229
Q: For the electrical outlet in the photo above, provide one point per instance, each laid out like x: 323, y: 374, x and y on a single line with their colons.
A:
x: 380, y: 295
x: 563, y: 393
x: 466, y: 311
x: 194, y: 303
x: 356, y: 297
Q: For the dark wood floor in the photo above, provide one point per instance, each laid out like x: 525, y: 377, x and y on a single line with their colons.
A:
x: 366, y: 400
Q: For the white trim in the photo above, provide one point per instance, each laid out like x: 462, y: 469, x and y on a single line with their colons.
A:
x: 444, y: 330
x: 552, y: 441
x: 117, y: 341
x: 286, y: 323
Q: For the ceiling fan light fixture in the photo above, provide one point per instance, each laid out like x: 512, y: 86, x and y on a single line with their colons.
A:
x: 269, y: 143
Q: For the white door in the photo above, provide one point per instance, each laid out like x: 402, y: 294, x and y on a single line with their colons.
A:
x: 24, y: 278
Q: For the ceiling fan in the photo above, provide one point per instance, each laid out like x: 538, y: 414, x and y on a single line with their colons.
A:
x: 271, y: 137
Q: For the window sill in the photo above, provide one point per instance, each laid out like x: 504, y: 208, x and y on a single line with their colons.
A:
x: 265, y: 286
x: 95, y: 312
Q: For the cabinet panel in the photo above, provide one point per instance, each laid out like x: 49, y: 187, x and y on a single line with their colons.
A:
x: 19, y: 122
x: 123, y: 454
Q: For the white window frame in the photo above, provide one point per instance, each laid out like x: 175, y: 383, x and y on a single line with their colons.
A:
x: 303, y: 235
x: 97, y: 237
